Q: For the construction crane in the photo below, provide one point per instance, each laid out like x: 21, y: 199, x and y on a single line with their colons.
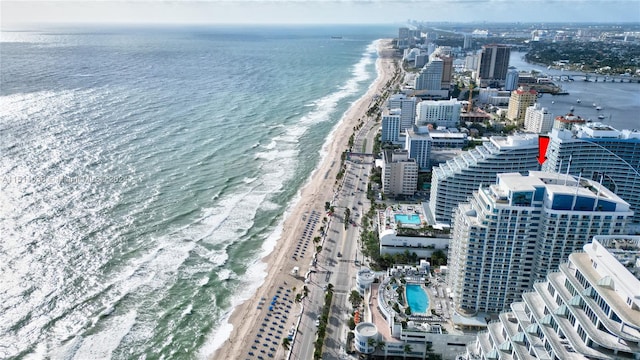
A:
x: 470, y: 105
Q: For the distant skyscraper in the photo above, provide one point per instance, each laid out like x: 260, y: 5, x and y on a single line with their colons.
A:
x: 430, y: 77
x: 537, y: 119
x: 588, y: 309
x: 418, y: 143
x: 600, y: 153
x: 442, y: 113
x: 403, y: 37
x: 511, y: 82
x: 454, y: 181
x: 407, y: 106
x: 513, y: 233
x: 399, y: 173
x: 467, y: 41
x: 493, y: 64
x: 519, y: 101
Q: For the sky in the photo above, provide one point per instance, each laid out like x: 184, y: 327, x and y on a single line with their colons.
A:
x: 20, y: 12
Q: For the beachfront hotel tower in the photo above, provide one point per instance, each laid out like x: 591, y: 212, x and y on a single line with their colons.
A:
x: 538, y: 119
x: 442, y: 113
x: 493, y: 65
x: 600, y: 153
x: 588, y: 308
x: 512, y: 233
x: 430, y: 77
x: 418, y: 143
x: 390, y: 126
x: 399, y: 173
x: 407, y: 106
x: 454, y: 181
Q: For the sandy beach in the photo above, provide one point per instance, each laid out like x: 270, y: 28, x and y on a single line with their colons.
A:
x: 291, y: 249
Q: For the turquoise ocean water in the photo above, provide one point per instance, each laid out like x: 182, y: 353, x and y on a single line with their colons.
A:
x: 145, y: 171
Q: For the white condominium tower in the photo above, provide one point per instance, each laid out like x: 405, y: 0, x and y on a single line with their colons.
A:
x: 407, y: 106
x: 537, y: 119
x: 430, y: 77
x: 514, y: 232
x: 601, y: 153
x: 587, y: 309
x: 454, y: 181
x: 390, y: 126
x: 442, y: 113
x: 399, y: 173
x: 418, y: 143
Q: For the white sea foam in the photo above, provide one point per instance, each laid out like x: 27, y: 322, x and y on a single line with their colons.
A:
x: 102, y: 344
x: 281, y: 163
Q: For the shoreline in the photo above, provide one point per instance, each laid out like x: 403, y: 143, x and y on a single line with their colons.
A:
x: 309, y: 202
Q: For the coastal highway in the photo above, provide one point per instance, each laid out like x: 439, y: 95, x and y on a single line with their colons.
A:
x: 337, y: 270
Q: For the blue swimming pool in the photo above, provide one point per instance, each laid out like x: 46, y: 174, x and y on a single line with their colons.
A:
x: 417, y: 298
x: 408, y: 219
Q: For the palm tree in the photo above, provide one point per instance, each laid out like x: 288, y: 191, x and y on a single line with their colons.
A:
x: 285, y: 343
x: 371, y: 343
x: 407, y: 349
x: 355, y: 298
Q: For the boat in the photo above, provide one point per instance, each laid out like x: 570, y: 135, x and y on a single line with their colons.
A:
x: 336, y: 37
x: 598, y: 108
x: 572, y: 108
x: 594, y: 105
x: 578, y: 101
x: 600, y: 116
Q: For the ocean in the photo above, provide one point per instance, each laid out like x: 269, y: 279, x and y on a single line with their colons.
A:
x: 145, y: 171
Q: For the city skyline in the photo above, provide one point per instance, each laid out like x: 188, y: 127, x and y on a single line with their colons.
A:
x: 15, y: 13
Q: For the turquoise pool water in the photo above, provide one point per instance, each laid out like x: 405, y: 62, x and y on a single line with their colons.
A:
x: 417, y: 298
x: 408, y: 219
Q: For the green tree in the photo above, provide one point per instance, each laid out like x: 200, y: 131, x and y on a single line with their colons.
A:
x: 286, y: 343
x: 355, y: 298
x: 407, y: 349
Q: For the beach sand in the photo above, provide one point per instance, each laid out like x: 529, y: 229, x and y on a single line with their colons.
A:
x: 247, y: 318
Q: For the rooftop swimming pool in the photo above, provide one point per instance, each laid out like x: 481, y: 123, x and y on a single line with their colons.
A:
x: 417, y: 298
x: 408, y: 219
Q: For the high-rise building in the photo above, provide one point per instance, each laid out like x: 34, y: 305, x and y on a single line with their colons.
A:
x: 403, y: 38
x: 511, y: 82
x: 399, y: 173
x: 418, y: 143
x: 537, y: 119
x: 588, y: 309
x: 390, y: 126
x: 430, y: 77
x: 442, y: 113
x: 519, y: 101
x: 447, y: 71
x: 600, y: 153
x: 493, y: 65
x: 455, y: 180
x: 512, y: 233
x: 407, y: 106
x: 467, y: 41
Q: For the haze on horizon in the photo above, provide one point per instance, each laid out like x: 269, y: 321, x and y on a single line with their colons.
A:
x: 27, y: 12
